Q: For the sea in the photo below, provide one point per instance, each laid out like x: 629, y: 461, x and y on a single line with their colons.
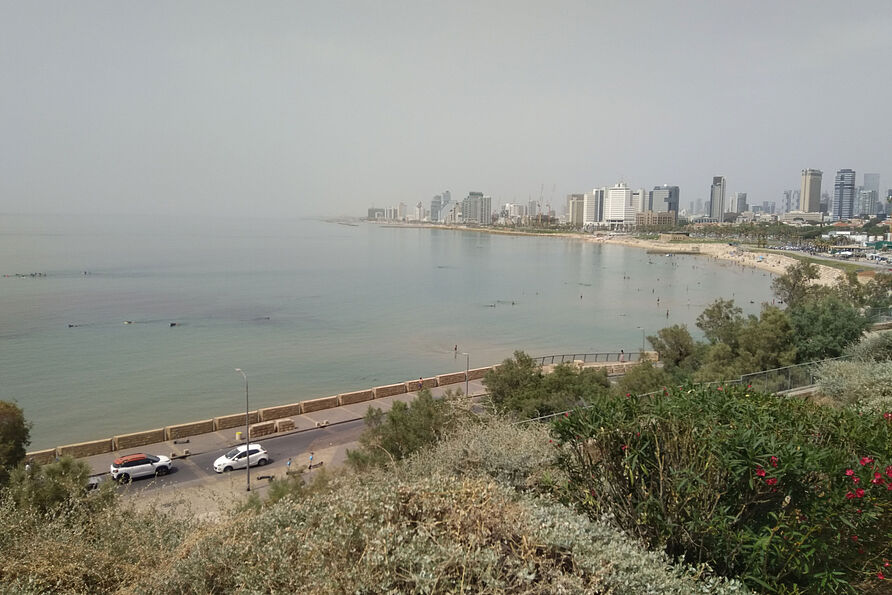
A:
x: 117, y: 324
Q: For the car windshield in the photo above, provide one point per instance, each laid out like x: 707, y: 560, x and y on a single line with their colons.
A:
x: 232, y: 453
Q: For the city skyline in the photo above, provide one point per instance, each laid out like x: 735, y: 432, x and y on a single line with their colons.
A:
x: 313, y: 109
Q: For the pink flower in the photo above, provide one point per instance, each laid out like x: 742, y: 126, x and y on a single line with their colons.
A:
x: 877, y: 478
x: 880, y: 576
x: 759, y: 471
x: 865, y: 460
x: 720, y: 388
x: 856, y: 479
x: 850, y: 472
x: 774, y: 461
x: 854, y: 538
x: 849, y: 496
x: 771, y: 481
x: 624, y: 447
x: 889, y: 471
x: 859, y: 493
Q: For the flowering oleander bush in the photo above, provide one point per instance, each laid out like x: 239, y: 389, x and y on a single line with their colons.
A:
x: 783, y: 493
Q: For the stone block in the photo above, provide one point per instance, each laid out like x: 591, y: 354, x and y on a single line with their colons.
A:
x: 86, y: 449
x: 390, y: 390
x: 478, y: 373
x: 139, y: 439
x: 285, y: 425
x: 280, y: 411
x: 233, y: 421
x: 264, y: 428
x: 318, y: 404
x: 359, y: 396
x: 42, y: 456
x: 444, y: 379
x: 204, y: 426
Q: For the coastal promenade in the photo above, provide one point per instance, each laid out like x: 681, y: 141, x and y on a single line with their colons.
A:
x: 320, y: 416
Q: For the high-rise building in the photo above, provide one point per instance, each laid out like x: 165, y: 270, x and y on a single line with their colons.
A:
x: 698, y: 207
x: 436, y: 203
x: 576, y: 209
x: 619, y: 207
x: 738, y: 202
x: 477, y: 208
x: 843, y: 195
x: 810, y: 195
x: 717, y: 198
x: 665, y: 198
x: 593, y: 207
x: 871, y: 201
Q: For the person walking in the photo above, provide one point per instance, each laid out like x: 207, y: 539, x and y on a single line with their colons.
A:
x: 311, y: 460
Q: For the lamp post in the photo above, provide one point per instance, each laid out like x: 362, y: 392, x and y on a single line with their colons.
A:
x: 642, y: 338
x: 247, y: 433
x: 467, y: 370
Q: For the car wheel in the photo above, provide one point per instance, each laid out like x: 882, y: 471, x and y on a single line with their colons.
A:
x: 227, y: 469
x: 262, y: 462
x: 124, y: 478
x: 162, y: 471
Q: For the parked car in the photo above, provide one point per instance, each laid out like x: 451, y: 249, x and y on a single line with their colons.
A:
x: 139, y: 465
x: 236, y: 458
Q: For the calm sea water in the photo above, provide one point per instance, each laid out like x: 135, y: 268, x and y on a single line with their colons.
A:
x: 307, y: 308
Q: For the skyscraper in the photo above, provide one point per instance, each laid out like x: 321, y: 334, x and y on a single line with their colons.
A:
x: 871, y: 201
x: 717, y: 198
x: 436, y: 203
x: 664, y: 198
x: 843, y: 195
x: 619, y: 207
x: 575, y: 209
x: 738, y: 202
x: 593, y: 207
x: 810, y: 196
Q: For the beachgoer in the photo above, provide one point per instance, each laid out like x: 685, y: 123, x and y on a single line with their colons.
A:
x: 455, y: 352
x: 622, y: 355
x: 311, y: 461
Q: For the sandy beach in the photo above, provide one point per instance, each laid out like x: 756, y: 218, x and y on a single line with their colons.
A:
x: 774, y: 263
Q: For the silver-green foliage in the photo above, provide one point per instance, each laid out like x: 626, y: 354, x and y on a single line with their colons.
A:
x: 864, y: 384
x: 874, y: 347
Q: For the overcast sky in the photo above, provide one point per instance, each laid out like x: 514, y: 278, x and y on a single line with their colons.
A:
x: 322, y: 108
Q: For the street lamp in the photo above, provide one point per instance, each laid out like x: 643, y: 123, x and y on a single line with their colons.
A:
x: 467, y: 370
x: 642, y: 338
x: 247, y: 432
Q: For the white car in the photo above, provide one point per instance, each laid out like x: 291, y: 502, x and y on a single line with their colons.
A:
x: 235, y: 458
x: 139, y: 465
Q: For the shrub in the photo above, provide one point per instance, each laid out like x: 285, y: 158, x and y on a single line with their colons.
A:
x: 519, y: 387
x: 406, y: 428
x: 755, y: 485
x: 874, y: 347
x: 14, y: 437
x: 865, y: 384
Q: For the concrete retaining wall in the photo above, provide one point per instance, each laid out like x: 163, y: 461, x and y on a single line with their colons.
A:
x: 42, y: 456
x: 86, y: 449
x: 263, y: 429
x: 444, y: 379
x: 233, y: 421
x: 359, y: 396
x: 319, y: 404
x: 139, y: 439
x: 279, y: 412
x: 191, y: 429
x: 390, y: 390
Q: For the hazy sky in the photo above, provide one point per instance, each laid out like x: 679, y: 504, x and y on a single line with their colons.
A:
x: 306, y: 108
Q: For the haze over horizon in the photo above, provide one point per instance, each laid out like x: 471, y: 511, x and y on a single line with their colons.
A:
x: 288, y: 109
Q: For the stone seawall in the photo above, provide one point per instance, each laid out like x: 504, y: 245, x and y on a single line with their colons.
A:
x: 264, y: 422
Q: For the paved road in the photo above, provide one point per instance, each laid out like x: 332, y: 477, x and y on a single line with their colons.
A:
x: 198, y: 468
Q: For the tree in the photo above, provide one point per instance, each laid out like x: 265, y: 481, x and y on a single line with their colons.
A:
x: 767, y: 342
x: 642, y: 379
x: 15, y: 436
x: 794, y: 285
x: 824, y: 326
x: 721, y: 322
x: 44, y: 488
x: 675, y: 347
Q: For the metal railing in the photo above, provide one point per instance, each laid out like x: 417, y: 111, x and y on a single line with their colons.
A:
x: 602, y: 356
x: 776, y: 380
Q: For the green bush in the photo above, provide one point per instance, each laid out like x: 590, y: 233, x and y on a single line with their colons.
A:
x: 406, y: 428
x: 757, y: 486
x: 15, y: 435
x: 518, y: 386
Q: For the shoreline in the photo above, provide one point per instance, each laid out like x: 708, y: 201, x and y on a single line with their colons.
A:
x: 773, y: 263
